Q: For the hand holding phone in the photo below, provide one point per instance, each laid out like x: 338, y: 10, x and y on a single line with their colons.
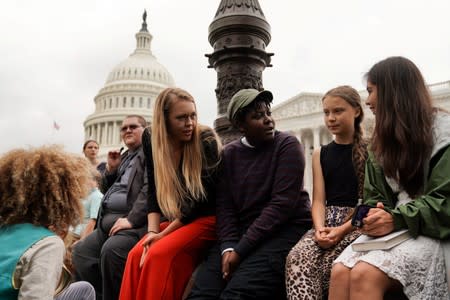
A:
x: 360, y: 213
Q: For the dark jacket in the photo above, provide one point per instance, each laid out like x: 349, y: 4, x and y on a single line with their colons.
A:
x: 137, y: 194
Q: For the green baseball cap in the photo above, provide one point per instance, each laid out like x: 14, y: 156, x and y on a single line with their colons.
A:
x: 243, y: 98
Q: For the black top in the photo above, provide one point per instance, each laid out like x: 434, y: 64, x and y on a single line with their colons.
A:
x: 341, y: 183
x: 203, y: 207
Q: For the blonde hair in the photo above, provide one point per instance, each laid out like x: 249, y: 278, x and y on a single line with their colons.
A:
x: 171, y: 190
x: 43, y: 186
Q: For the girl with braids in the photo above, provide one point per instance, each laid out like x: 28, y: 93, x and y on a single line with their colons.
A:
x: 40, y: 197
x: 182, y: 159
x: 338, y: 177
x: 408, y: 180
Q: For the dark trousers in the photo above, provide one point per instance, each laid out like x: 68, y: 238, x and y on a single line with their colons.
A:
x: 100, y: 259
x: 260, y: 275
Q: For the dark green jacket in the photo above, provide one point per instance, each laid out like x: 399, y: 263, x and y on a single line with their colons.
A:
x: 428, y: 214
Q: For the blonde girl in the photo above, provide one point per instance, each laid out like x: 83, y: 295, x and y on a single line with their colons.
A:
x: 182, y: 158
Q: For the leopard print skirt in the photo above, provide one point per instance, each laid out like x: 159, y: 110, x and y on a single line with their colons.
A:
x: 308, y: 266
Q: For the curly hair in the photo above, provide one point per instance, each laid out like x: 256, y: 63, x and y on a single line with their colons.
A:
x: 43, y: 186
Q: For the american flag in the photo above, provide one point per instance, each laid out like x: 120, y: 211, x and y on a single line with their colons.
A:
x: 55, y: 125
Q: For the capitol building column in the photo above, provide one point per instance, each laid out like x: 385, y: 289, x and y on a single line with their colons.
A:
x: 114, y: 133
x: 97, y: 133
x: 106, y: 134
x: 316, y: 137
x: 308, y: 148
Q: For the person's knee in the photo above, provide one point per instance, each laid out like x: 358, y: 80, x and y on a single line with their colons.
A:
x: 80, y: 290
x: 291, y: 258
x: 358, y: 272
x: 160, y: 252
x: 299, y: 254
x: 77, y: 250
x: 108, y: 253
x: 135, y: 252
x: 85, y: 291
x: 363, y: 276
x: 339, y: 273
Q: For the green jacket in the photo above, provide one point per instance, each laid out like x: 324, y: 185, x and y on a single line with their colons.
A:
x: 428, y: 214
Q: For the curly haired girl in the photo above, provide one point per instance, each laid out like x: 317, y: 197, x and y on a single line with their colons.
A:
x: 40, y: 193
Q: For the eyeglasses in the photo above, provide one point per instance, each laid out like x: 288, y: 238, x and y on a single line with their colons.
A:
x: 187, y: 118
x: 132, y: 127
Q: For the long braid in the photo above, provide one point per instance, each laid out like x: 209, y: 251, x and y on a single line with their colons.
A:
x: 359, y: 153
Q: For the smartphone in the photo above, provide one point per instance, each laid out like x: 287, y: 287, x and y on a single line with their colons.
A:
x: 360, y: 213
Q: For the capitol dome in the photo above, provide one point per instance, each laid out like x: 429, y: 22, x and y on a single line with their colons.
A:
x: 140, y: 66
x: 130, y: 88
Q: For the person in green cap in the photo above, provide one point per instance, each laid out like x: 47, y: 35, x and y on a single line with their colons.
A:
x: 262, y: 207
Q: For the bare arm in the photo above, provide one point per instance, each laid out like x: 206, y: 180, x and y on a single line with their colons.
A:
x: 324, y: 236
x: 153, y: 228
x: 153, y: 222
x: 318, y: 201
x: 88, y: 229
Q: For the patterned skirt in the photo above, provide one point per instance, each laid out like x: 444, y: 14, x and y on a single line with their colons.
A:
x: 308, y: 266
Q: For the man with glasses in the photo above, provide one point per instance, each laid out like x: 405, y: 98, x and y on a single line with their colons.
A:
x: 100, y: 257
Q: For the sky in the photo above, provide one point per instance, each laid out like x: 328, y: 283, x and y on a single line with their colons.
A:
x: 55, y: 55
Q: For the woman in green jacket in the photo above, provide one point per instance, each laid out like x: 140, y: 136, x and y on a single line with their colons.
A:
x: 408, y: 183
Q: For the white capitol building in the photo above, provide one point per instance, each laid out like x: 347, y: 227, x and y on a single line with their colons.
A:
x: 131, y: 88
x: 133, y: 85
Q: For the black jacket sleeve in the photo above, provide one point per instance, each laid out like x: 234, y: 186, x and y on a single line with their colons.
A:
x: 147, y: 148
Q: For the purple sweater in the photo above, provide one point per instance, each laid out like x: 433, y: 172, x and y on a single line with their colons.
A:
x: 261, y: 192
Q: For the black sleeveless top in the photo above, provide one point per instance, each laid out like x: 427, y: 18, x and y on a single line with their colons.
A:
x: 341, y: 183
